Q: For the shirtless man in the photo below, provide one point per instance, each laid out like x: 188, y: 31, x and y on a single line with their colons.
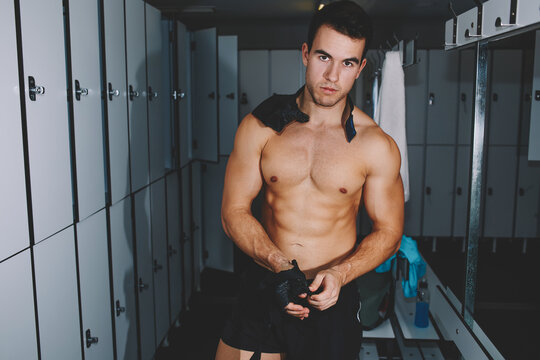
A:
x: 314, y: 155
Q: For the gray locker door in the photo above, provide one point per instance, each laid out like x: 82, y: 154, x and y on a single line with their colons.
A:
x: 438, y: 191
x: 123, y: 280
x: 95, y: 286
x: 501, y: 189
x: 115, y: 65
x: 534, y: 133
x: 160, y: 265
x: 461, y: 198
x: 186, y: 234
x: 184, y: 87
x: 442, y: 97
x: 13, y: 211
x: 47, y: 118
x: 505, y: 101
x: 466, y: 95
x: 413, y: 208
x: 174, y: 252
x: 57, y: 297
x: 205, y: 96
x: 218, y: 245
x: 137, y: 94
x: 198, y: 224
x: 528, y: 197
x: 415, y: 98
x: 526, y: 99
x: 254, y: 68
x: 169, y: 141
x: 157, y: 98
x: 286, y: 70
x: 145, y: 272
x: 87, y: 112
x: 228, y: 90
x: 17, y: 307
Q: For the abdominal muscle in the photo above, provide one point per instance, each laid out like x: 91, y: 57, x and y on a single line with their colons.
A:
x: 311, y: 228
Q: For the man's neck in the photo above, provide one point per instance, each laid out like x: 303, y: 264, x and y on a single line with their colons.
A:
x: 319, y: 115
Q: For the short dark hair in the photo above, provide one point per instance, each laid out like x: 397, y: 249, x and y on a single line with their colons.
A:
x: 346, y: 17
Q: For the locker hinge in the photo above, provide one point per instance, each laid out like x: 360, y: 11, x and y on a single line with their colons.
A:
x: 193, y: 46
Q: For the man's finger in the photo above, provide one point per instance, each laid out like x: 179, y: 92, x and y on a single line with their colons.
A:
x: 316, y: 282
x: 294, y: 307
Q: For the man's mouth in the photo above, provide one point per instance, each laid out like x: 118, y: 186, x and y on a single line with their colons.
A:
x: 328, y: 90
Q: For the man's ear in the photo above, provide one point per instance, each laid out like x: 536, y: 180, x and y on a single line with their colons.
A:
x: 361, y: 67
x: 305, y: 53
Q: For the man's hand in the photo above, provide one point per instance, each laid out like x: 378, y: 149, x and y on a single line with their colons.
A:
x: 329, y: 281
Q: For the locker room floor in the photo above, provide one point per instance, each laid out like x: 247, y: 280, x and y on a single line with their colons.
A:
x: 508, y: 308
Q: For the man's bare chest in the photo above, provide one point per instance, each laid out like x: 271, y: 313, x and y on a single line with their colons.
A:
x: 303, y: 159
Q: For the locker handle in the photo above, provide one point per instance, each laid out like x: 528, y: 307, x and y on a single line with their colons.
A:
x: 89, y: 339
x: 185, y: 238
x: 230, y: 96
x: 428, y: 190
x: 212, y: 95
x: 463, y: 97
x: 142, y: 285
x: 151, y: 94
x: 157, y: 266
x: 243, y: 99
x: 79, y: 91
x: 113, y: 92
x: 495, y: 97
x: 459, y: 191
x: 490, y: 191
x: 521, y: 191
x: 499, y: 24
x: 178, y: 94
x: 431, y: 100
x: 33, y: 89
x: 172, y: 251
x: 132, y: 93
x: 119, y: 309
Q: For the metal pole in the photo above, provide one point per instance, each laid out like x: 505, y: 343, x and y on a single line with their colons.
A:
x: 476, y: 179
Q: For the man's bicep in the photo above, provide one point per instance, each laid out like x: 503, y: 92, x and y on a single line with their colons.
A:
x: 242, y: 177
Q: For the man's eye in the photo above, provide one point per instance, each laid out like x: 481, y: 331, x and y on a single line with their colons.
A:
x: 348, y: 63
x: 323, y: 57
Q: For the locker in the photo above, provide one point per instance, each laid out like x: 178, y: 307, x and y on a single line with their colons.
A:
x: 157, y: 97
x: 169, y: 142
x: 46, y: 115
x: 159, y: 259
x: 415, y: 95
x: 254, y: 68
x: 123, y: 270
x: 137, y: 93
x: 57, y: 297
x: 467, y: 70
x: 187, y: 248
x: 13, y: 210
x: 87, y: 112
x: 174, y: 251
x: 117, y: 117
x: 500, y: 191
x: 442, y: 97
x: 438, y: 191
x: 183, y: 93
x: 505, y: 97
x: 534, y: 133
x: 228, y: 90
x: 461, y: 190
x: 526, y: 99
x: 17, y: 309
x: 205, y: 145
x: 145, y: 284
x: 413, y: 208
x: 286, y: 70
x: 219, y: 246
x: 199, y: 248
x: 528, y: 197
x: 95, y: 287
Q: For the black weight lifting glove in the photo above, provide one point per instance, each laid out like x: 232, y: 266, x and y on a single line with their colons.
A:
x: 288, y: 284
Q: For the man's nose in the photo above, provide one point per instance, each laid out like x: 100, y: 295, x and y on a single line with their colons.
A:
x: 332, y: 72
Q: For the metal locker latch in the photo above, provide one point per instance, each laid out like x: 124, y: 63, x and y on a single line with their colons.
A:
x: 178, y: 94
x: 212, y: 95
x: 79, y: 91
x: 89, y: 339
x: 119, y: 309
x: 157, y: 267
x: 142, y: 285
x: 230, y: 96
x: 132, y: 93
x: 113, y: 92
x: 431, y: 99
x: 172, y: 251
x: 151, y: 94
x: 244, y: 99
x: 33, y: 89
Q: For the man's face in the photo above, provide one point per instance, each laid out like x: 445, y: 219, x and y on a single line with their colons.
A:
x: 332, y: 65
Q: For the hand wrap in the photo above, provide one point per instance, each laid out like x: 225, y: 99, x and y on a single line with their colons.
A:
x: 288, y: 284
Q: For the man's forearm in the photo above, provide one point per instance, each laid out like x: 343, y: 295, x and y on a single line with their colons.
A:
x: 370, y: 253
x: 249, y: 235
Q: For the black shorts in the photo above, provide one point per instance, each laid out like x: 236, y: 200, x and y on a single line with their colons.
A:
x: 258, y: 324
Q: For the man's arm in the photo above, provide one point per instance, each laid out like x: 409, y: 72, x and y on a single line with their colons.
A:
x: 243, y: 182
x: 384, y: 203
